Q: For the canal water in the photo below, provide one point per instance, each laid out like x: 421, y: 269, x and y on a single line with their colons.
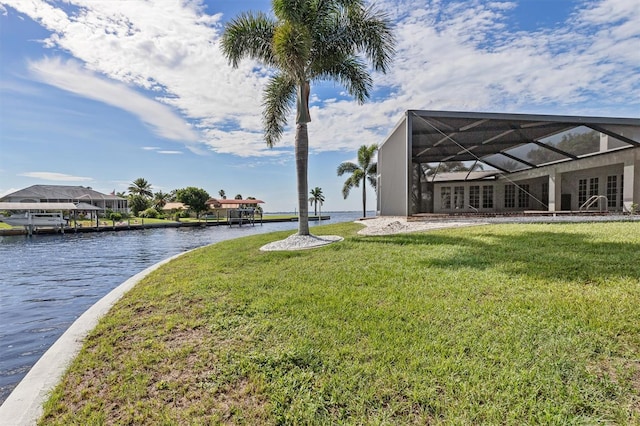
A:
x: 48, y: 281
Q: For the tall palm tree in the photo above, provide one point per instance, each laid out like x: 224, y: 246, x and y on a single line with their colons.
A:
x: 316, y: 197
x: 366, y: 168
x: 306, y: 42
x: 222, y: 194
x: 141, y: 187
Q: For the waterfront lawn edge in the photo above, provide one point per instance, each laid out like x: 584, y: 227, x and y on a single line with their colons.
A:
x: 507, y: 324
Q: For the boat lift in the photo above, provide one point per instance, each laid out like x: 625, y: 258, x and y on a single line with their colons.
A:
x: 38, y: 215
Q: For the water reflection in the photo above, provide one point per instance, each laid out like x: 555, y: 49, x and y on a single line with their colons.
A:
x: 47, y: 281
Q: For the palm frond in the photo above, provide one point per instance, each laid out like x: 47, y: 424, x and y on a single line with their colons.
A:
x: 346, y: 188
x: 297, y: 11
x: 346, y: 167
x: 351, y: 72
x: 373, y: 181
x: 373, y: 35
x: 249, y: 35
x: 292, y: 48
x: 352, y: 181
x: 366, y: 154
x: 277, y: 101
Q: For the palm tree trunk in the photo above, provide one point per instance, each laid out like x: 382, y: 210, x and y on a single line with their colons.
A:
x: 302, y: 161
x: 364, y: 197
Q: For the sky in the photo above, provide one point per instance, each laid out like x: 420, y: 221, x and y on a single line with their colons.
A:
x: 100, y: 93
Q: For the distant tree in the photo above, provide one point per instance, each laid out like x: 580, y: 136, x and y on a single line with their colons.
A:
x: 316, y: 198
x: 222, y: 194
x: 304, y: 42
x: 138, y: 203
x: 430, y: 169
x: 141, y: 187
x: 256, y: 207
x: 366, y: 169
x: 238, y: 197
x: 194, y: 198
x: 121, y: 194
x: 160, y: 199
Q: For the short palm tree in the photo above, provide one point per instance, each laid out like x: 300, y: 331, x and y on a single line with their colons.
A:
x: 305, y: 42
x: 316, y: 198
x: 141, y: 187
x: 160, y: 199
x: 366, y: 168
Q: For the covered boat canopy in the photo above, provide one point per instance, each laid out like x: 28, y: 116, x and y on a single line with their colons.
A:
x: 38, y: 206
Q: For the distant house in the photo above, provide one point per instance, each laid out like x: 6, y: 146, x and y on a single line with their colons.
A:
x: 78, y: 195
x: 235, y: 210
x: 215, y: 203
x: 530, y: 162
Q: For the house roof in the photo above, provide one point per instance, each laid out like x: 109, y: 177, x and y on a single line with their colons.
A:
x: 60, y: 192
x: 509, y: 142
x: 173, y: 205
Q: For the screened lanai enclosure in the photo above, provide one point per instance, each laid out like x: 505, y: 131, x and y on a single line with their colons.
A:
x: 462, y: 162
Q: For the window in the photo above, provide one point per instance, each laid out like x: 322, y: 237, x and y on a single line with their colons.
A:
x: 612, y: 191
x: 458, y: 197
x: 582, y: 191
x: 509, y: 196
x: 544, y: 193
x: 487, y: 197
x: 445, y: 197
x: 593, y: 187
x: 621, y: 190
x: 587, y: 188
x: 523, y: 196
x: 474, y: 196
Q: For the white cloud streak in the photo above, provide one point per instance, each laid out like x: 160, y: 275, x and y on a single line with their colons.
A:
x: 450, y: 55
x: 70, y: 76
x: 58, y: 177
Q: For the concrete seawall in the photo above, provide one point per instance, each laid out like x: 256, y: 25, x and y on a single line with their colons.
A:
x: 23, y: 407
x: 139, y: 226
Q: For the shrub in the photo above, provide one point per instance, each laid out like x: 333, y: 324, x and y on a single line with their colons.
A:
x: 115, y: 216
x: 150, y: 213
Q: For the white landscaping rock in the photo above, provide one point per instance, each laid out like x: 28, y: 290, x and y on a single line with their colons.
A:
x: 301, y: 242
x: 389, y: 225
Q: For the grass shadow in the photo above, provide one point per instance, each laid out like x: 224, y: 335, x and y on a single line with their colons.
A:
x: 544, y: 254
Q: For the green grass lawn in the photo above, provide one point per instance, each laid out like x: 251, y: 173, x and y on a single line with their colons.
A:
x: 499, y: 324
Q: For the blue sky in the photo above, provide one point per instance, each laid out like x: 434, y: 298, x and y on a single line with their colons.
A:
x: 99, y: 93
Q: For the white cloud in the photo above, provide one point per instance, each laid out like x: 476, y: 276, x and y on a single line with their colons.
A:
x: 60, y: 177
x: 170, y: 152
x: 450, y: 55
x: 70, y: 76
